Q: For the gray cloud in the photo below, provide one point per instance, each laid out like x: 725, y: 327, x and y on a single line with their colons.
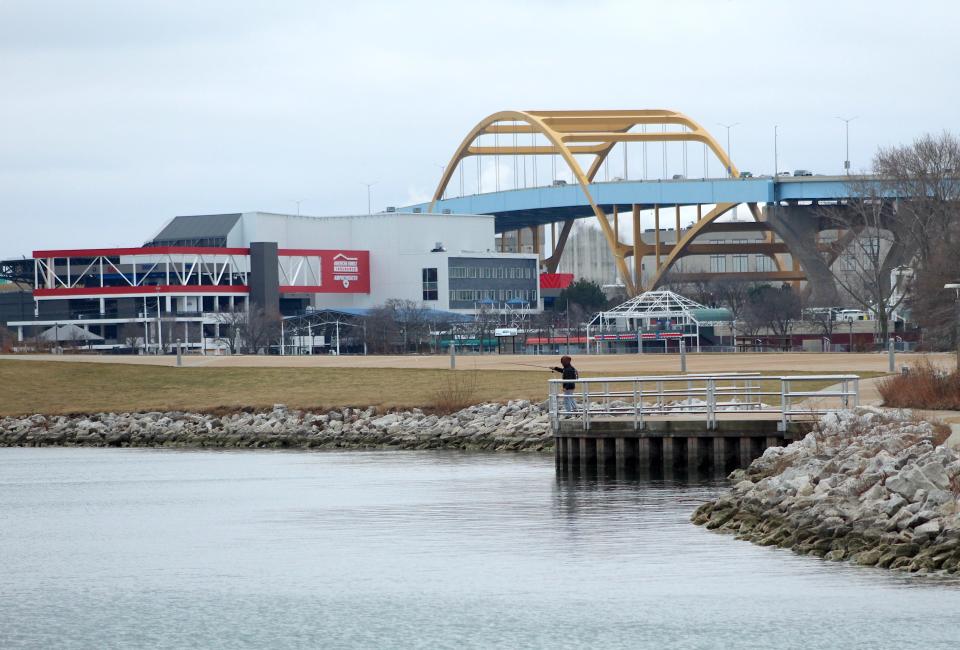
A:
x: 118, y: 115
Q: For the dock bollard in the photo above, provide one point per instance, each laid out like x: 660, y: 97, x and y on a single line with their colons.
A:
x: 683, y: 356
x: 179, y: 354
x: 453, y: 354
x: 892, y: 356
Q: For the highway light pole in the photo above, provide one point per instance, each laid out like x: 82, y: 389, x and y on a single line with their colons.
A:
x: 369, y: 185
x: 846, y: 125
x: 776, y: 169
x: 728, y: 127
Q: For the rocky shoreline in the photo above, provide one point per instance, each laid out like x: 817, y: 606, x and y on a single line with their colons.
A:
x: 516, y: 426
x: 871, y: 486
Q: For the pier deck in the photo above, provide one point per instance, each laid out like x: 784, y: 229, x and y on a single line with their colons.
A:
x: 679, y: 423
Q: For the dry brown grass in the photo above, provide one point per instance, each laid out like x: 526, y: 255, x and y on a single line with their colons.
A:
x: 53, y: 387
x: 924, y: 387
x: 456, y: 391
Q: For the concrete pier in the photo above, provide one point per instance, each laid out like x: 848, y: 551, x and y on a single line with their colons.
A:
x: 667, y: 445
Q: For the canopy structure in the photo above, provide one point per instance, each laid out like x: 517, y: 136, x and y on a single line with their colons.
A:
x: 655, y: 316
x: 68, y: 334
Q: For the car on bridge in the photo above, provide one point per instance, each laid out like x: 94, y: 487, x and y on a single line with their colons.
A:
x: 803, y: 172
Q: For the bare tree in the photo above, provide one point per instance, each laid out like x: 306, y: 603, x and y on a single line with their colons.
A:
x: 821, y: 317
x: 773, y: 309
x: 484, y: 323
x: 733, y: 294
x: 927, y: 172
x: 260, y: 329
x: 412, y: 321
x: 131, y: 335
x: 250, y: 331
x: 871, y: 245
x: 6, y: 339
x: 228, y: 328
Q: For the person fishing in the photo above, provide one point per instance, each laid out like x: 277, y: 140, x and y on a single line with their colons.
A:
x: 568, y: 372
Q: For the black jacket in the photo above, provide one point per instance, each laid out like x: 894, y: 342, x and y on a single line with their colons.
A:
x: 568, y: 373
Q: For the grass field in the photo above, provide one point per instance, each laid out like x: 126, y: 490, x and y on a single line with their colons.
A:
x: 51, y: 387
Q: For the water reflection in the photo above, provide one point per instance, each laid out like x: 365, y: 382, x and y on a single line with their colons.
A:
x: 412, y: 549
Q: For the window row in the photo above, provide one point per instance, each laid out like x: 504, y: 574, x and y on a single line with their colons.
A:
x: 494, y: 295
x: 491, y: 272
x: 741, y: 264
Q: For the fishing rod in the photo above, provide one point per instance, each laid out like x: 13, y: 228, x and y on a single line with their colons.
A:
x: 529, y: 365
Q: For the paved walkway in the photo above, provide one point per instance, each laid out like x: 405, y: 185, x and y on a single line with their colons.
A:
x: 870, y: 396
x: 623, y: 364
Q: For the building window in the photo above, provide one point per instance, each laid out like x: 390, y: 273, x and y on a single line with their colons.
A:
x: 718, y: 263
x: 430, y: 284
x: 764, y: 264
x: 740, y: 264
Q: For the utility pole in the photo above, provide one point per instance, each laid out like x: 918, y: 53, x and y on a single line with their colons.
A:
x: 846, y: 125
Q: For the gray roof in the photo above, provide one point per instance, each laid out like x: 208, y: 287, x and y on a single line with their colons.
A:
x: 201, y: 226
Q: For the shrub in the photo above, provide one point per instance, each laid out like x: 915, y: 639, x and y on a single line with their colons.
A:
x: 456, y: 391
x: 923, y: 387
x: 6, y: 340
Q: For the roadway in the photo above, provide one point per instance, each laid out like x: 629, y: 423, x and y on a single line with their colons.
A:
x: 519, y: 208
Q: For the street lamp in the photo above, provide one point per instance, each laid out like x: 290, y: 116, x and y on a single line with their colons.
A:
x: 775, y: 165
x: 846, y: 123
x: 728, y: 127
x: 956, y: 287
x: 298, y: 202
x: 369, y: 185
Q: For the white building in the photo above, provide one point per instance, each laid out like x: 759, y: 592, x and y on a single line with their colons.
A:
x: 447, y: 261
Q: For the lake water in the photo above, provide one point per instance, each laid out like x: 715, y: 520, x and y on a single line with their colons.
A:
x: 171, y: 549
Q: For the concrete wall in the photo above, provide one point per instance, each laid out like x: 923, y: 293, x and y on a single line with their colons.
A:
x: 400, y: 246
x: 587, y: 255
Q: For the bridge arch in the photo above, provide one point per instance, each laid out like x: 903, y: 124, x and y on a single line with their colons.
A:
x: 573, y: 133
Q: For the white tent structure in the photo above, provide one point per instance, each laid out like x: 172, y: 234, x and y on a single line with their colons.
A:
x: 655, y: 316
x: 69, y: 333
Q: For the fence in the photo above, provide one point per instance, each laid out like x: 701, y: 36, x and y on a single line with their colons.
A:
x: 703, y: 395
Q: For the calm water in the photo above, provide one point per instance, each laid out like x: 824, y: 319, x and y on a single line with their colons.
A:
x: 149, y: 548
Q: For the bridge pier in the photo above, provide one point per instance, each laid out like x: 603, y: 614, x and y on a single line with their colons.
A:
x: 606, y: 450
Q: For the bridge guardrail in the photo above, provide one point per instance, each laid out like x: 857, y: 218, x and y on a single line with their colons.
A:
x: 700, y: 394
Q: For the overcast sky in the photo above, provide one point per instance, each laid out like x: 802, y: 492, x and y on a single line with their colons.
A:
x: 117, y: 115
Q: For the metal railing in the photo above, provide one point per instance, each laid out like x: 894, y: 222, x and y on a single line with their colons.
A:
x: 705, y: 395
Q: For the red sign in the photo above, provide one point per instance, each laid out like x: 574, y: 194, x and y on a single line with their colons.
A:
x: 341, y: 271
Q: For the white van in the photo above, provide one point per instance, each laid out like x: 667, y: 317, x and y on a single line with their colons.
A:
x: 848, y: 315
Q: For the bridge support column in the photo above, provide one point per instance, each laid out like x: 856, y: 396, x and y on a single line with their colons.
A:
x: 573, y: 455
x: 643, y: 455
x: 637, y: 244
x: 626, y: 452
x: 694, y: 455
x: 720, y: 455
x: 588, y: 455
x: 746, y: 451
x: 604, y: 449
x: 774, y: 441
x: 798, y: 227
x: 656, y: 234
x: 668, y: 456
